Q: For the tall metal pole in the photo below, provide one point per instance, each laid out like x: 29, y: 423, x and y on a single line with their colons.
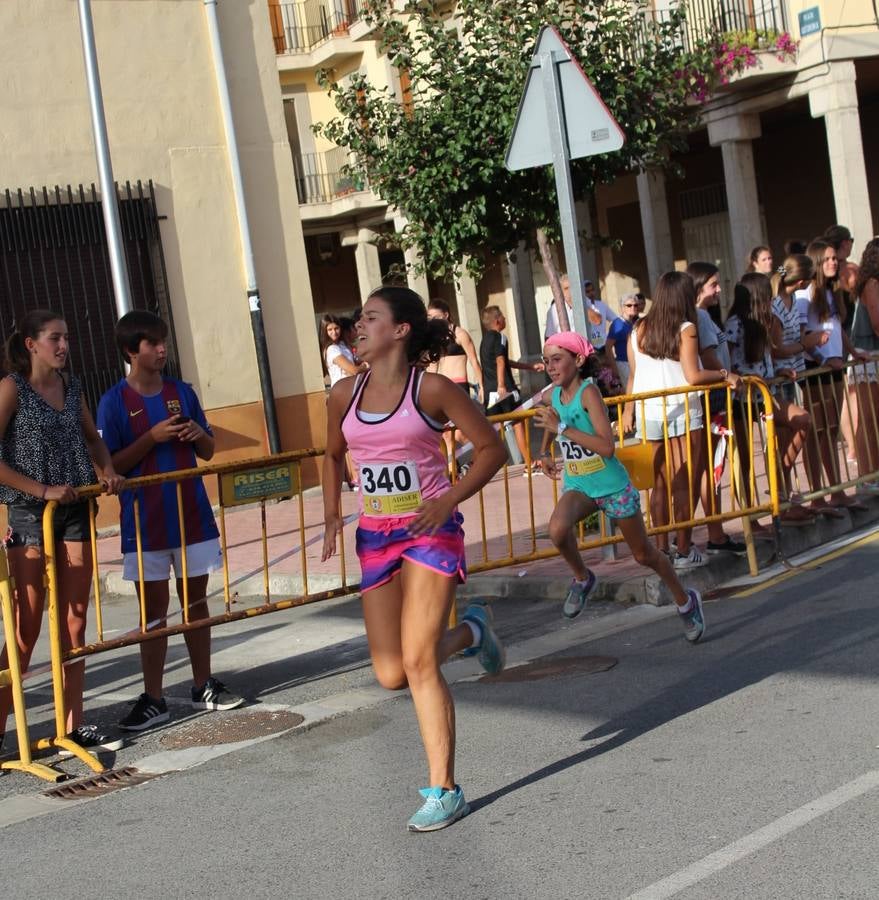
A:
x: 110, y: 204
x: 253, y: 299
x: 555, y: 115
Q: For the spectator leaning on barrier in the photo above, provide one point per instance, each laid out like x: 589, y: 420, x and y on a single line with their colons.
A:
x: 154, y: 424
x: 749, y: 328
x: 713, y: 354
x: 664, y: 353
x: 840, y: 238
x: 865, y: 336
x: 50, y: 447
x: 822, y: 309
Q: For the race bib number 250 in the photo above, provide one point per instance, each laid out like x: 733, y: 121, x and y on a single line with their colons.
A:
x: 390, y: 488
x: 578, y: 460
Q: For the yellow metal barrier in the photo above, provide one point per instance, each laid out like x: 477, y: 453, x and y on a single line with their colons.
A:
x: 743, y: 504
x: 495, y: 500
x: 842, y: 404
x: 11, y: 678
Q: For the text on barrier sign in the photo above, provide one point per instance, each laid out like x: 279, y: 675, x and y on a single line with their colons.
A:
x: 267, y: 483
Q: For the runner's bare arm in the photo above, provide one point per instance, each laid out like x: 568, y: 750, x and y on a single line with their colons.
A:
x: 443, y: 400
x: 334, y: 463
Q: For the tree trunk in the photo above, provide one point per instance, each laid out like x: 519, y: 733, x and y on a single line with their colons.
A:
x: 552, y: 276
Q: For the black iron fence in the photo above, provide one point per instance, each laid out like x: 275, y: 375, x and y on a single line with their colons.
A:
x: 53, y: 255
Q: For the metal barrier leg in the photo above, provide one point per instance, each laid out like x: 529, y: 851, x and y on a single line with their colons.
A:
x: 60, y: 740
x: 609, y: 552
x: 747, y: 529
x: 24, y: 762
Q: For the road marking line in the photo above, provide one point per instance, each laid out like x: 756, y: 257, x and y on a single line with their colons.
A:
x: 757, y: 840
x: 806, y: 566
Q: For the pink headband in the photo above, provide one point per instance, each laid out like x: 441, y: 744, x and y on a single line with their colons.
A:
x: 570, y: 340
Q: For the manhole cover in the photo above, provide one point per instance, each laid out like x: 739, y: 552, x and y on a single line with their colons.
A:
x: 98, y: 785
x: 553, y: 668
x: 227, y: 728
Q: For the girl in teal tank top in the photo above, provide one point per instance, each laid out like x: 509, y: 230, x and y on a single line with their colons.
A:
x: 595, y: 479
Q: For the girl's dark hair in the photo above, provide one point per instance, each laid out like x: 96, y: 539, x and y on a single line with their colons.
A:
x: 428, y: 338
x: 701, y: 272
x: 674, y: 302
x: 17, y: 357
x: 441, y: 305
x: 755, y: 255
x: 752, y: 303
x: 821, y: 285
x: 136, y: 326
x: 324, y: 339
x: 869, y: 265
x: 796, y: 267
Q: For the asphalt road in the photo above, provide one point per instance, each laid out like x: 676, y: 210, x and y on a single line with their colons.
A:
x: 745, y: 766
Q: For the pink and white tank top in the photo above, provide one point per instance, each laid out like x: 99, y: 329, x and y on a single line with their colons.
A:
x: 399, y: 457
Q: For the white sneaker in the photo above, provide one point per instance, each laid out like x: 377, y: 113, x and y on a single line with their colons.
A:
x: 692, y: 560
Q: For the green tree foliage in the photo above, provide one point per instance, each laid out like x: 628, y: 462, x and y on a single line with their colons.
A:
x: 437, y: 153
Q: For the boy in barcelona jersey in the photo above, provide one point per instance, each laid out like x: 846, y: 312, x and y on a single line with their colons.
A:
x: 153, y: 424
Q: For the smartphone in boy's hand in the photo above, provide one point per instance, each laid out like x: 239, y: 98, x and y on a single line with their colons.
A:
x: 182, y: 420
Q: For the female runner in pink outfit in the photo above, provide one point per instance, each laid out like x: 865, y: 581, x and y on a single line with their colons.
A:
x: 409, y: 540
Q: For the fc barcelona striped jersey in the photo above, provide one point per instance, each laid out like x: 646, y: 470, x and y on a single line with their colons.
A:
x: 123, y: 416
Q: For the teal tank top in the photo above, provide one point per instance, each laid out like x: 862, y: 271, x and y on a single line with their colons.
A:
x: 584, y: 470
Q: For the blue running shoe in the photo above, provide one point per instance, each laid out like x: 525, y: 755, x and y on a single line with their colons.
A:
x: 578, y: 594
x: 441, y: 808
x: 492, y: 656
x: 694, y: 620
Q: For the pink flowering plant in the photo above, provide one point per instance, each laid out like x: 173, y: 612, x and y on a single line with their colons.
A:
x: 733, y: 53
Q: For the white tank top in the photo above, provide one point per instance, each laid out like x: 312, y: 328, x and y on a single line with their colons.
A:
x: 653, y: 374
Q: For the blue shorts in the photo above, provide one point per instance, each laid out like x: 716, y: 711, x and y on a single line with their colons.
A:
x: 383, y: 543
x: 622, y: 504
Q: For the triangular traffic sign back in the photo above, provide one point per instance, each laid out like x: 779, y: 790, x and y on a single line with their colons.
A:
x: 589, y: 125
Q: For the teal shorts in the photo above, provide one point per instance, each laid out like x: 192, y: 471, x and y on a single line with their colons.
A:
x: 622, y: 504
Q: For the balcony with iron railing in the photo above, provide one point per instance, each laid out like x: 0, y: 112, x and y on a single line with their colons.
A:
x: 326, y: 188
x: 313, y: 32
x: 749, y: 38
x: 707, y: 19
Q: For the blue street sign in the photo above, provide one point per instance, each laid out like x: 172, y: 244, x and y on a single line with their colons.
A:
x: 809, y: 20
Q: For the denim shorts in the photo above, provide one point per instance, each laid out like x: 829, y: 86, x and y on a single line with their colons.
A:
x: 71, y: 523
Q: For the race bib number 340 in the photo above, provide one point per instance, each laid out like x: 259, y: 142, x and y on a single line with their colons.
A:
x: 578, y: 460
x: 390, y: 488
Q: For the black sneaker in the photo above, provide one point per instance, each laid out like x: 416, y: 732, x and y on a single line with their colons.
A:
x: 90, y: 737
x: 736, y: 548
x: 214, y: 695
x: 145, y: 713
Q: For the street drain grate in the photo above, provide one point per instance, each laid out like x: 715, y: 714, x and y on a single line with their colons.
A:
x: 230, y: 727
x: 98, y: 785
x: 554, y: 668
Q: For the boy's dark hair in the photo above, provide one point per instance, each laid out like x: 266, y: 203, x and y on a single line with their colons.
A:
x: 136, y: 326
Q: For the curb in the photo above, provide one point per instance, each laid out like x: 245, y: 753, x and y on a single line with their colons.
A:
x: 514, y: 583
